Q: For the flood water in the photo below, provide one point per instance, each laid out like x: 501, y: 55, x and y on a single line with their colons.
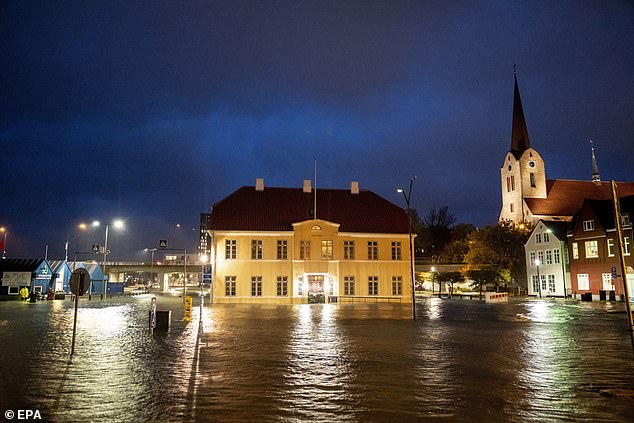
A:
x: 461, y: 360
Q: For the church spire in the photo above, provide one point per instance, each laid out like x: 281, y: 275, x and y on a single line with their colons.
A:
x: 519, y: 133
x: 595, y: 169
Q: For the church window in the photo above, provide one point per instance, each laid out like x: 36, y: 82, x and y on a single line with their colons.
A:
x: 511, y: 207
x: 512, y: 182
x: 508, y: 184
x: 533, y: 180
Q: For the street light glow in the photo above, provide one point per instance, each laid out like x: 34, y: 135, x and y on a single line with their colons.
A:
x: 399, y: 190
x: 96, y: 223
x: 118, y: 224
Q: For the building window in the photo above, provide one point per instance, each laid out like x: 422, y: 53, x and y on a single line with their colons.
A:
x: 543, y: 279
x: 551, y: 283
x: 540, y: 257
x: 588, y: 225
x: 300, y: 286
x: 549, y: 256
x: 256, y: 249
x: 373, y: 250
x: 326, y: 250
x: 625, y: 220
x: 14, y: 290
x: 230, y: 286
x: 282, y: 286
x: 331, y: 291
x: 575, y: 250
x: 533, y: 180
x: 397, y: 285
x: 538, y: 238
x: 546, y: 237
x: 626, y: 245
x: 610, y: 247
x: 511, y: 207
x: 583, y: 283
x: 556, y: 257
x: 348, y: 285
x: 508, y: 184
x: 231, y: 249
x: 256, y: 286
x: 396, y: 250
x: 512, y: 182
x: 607, y: 281
x: 282, y: 250
x: 304, y: 250
x: 532, y: 258
x: 348, y: 250
x: 535, y: 283
x: 373, y: 285
x: 592, y: 249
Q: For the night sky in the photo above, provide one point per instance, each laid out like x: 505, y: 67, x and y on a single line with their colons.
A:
x: 152, y: 111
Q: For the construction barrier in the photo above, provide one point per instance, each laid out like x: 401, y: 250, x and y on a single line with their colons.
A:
x: 497, y: 297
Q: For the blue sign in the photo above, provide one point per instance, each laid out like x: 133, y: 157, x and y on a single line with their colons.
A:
x: 614, y: 275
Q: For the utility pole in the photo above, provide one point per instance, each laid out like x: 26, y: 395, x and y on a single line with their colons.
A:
x: 619, y: 232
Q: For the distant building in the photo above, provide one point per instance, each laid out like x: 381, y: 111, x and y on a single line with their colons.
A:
x: 34, y: 274
x: 271, y: 245
x: 546, y: 260
x: 204, y: 239
x: 593, y: 247
x: 527, y: 196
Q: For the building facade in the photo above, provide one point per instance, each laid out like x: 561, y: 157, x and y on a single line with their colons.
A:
x: 547, y: 265
x: 595, y: 265
x: 287, y: 245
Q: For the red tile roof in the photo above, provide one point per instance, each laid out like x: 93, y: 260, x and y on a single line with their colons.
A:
x: 566, y: 197
x: 276, y: 209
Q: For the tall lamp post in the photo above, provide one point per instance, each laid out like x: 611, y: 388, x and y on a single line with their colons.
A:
x: 408, y: 198
x: 119, y: 225
x: 4, y: 243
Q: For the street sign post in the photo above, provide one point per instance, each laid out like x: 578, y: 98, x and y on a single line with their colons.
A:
x: 79, y: 283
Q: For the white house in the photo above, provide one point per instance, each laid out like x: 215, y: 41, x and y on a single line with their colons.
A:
x: 546, y: 260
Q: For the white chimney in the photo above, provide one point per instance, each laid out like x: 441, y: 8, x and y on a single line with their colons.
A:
x: 307, y: 185
x: 354, y: 187
x: 259, y: 184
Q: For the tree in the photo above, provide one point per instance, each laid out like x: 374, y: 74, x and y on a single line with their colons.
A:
x: 436, y: 234
x: 417, y: 228
x: 500, y: 246
x: 456, y: 250
x: 483, y: 276
x: 450, y: 278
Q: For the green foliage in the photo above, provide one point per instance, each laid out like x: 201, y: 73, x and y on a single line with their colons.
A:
x: 501, y: 247
x: 483, y: 276
x: 449, y: 278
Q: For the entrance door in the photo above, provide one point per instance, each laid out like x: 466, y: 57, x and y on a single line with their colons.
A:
x: 316, y: 289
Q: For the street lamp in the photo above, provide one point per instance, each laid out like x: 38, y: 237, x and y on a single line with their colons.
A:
x: 4, y: 243
x: 118, y: 224
x: 539, y: 281
x: 152, y: 250
x: 408, y: 197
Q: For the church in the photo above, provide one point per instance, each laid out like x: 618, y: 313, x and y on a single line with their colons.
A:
x: 528, y: 197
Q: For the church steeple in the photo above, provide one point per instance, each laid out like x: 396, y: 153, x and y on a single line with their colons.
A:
x: 519, y: 133
x: 595, y: 169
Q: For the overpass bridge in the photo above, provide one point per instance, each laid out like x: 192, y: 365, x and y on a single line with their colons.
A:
x: 166, y: 275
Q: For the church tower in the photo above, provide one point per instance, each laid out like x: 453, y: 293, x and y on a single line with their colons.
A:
x: 523, y: 174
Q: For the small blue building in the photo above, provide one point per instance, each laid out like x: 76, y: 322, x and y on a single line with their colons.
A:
x: 34, y: 274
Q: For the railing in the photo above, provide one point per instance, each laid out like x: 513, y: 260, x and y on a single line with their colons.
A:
x: 363, y: 299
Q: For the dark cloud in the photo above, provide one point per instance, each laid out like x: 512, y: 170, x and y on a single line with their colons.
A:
x: 152, y: 111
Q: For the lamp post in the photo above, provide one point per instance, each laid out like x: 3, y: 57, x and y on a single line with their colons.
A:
x: 4, y: 243
x: 203, y: 261
x: 119, y: 225
x: 152, y: 250
x: 408, y: 197
x: 539, y: 281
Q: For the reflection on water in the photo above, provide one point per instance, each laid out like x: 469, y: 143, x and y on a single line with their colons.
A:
x: 527, y: 361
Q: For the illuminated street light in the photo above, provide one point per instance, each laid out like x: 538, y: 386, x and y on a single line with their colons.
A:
x: 118, y: 224
x: 408, y: 197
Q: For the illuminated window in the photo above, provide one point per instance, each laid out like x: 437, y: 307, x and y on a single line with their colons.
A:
x: 373, y: 250
x: 626, y: 245
x: 282, y: 250
x: 540, y: 257
x: 588, y: 225
x: 348, y: 285
x: 282, y: 286
x: 304, y: 250
x: 348, y: 250
x: 397, y: 285
x: 231, y: 249
x: 607, y: 281
x: 230, y: 286
x: 256, y: 249
x: 300, y: 286
x: 610, y: 247
x: 575, y: 250
x: 373, y: 285
x: 326, y: 250
x: 583, y: 282
x: 592, y: 249
x: 256, y: 286
x: 396, y: 250
x: 535, y: 283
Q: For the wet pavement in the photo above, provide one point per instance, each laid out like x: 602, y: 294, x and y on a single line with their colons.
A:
x: 526, y: 361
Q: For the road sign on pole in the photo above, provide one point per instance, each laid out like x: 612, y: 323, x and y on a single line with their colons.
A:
x: 162, y: 243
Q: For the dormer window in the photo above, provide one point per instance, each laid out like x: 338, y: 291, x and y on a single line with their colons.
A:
x: 625, y: 220
x: 588, y: 225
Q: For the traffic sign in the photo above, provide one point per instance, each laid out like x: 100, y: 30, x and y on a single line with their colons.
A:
x: 614, y: 275
x: 95, y: 248
x: 162, y: 243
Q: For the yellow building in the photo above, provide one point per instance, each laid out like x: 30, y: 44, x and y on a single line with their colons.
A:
x: 295, y: 245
